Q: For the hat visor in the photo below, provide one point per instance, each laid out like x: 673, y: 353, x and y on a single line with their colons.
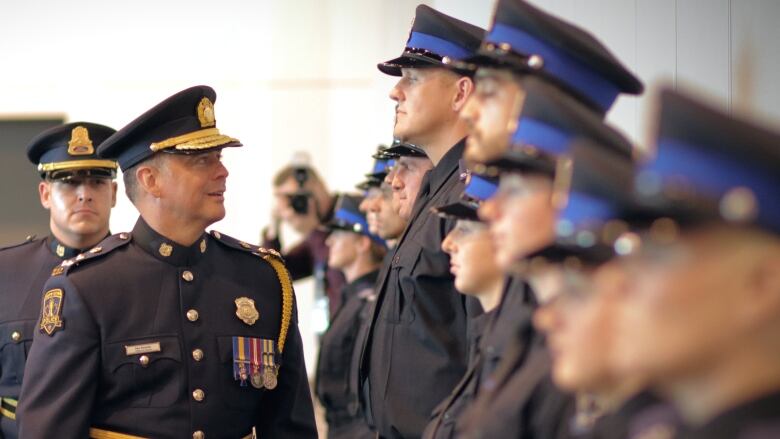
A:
x: 560, y: 252
x: 518, y: 162
x: 493, y: 60
x: 407, y: 60
x: 460, y: 210
x: 405, y: 151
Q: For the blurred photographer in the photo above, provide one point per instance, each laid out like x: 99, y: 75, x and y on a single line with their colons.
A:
x: 302, y: 201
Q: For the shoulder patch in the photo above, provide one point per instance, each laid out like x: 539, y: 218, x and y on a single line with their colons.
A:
x: 27, y: 240
x: 234, y: 243
x: 103, y: 248
x: 51, y: 311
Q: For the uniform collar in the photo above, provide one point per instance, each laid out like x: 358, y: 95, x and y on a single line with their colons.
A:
x: 448, y: 164
x: 62, y: 251
x: 167, y: 250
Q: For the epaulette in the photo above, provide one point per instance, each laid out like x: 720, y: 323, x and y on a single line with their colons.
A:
x: 103, y: 248
x: 27, y: 240
x: 273, y: 258
x: 245, y: 246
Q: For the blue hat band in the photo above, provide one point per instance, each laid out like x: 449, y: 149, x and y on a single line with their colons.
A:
x: 480, y: 188
x: 582, y: 208
x: 568, y: 70
x: 715, y: 174
x: 436, y: 45
x: 541, y: 135
x: 353, y: 218
x: 381, y: 166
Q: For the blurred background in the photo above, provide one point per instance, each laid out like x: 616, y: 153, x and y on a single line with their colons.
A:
x: 300, y: 75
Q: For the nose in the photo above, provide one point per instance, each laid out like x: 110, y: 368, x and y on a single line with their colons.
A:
x: 85, y: 193
x: 222, y: 171
x: 546, y: 317
x: 448, y: 245
x: 364, y: 204
x: 395, y: 92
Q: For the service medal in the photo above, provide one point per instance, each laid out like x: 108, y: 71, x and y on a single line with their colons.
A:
x: 269, y: 378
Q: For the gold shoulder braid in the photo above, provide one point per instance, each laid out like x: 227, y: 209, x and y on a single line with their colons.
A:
x: 287, y: 297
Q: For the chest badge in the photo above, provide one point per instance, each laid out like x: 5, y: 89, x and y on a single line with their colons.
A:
x: 246, y: 311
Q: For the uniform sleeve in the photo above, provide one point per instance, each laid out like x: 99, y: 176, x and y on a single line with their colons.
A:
x: 60, y: 376
x: 292, y: 413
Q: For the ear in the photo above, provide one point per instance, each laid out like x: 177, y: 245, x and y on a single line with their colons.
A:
x: 464, y: 86
x: 149, y: 180
x: 364, y: 244
x: 763, y: 289
x: 44, y: 191
x: 113, y: 193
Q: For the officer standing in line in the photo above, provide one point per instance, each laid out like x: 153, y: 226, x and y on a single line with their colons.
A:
x: 702, y: 315
x: 78, y: 191
x: 580, y: 324
x: 472, y: 261
x: 525, y: 42
x: 358, y: 254
x: 169, y: 331
x: 406, y: 177
x: 383, y: 220
x: 415, y: 350
x: 519, y: 397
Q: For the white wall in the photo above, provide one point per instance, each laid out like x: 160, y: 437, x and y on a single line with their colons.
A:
x: 300, y: 74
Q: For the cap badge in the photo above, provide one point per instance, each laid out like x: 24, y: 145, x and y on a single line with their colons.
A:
x: 246, y: 311
x: 206, y: 113
x: 79, y: 143
x: 60, y: 250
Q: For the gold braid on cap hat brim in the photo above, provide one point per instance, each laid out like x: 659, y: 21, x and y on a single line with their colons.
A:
x: 201, y: 139
x: 76, y: 164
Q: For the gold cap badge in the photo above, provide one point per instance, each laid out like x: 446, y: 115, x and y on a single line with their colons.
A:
x: 206, y: 113
x: 79, y: 143
x: 246, y: 311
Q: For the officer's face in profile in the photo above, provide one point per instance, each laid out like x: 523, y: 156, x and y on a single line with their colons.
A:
x: 521, y: 216
x: 425, y: 101
x: 385, y: 218
x: 472, y: 258
x: 79, y: 207
x: 697, y: 301
x: 192, y: 186
x: 491, y: 114
x: 342, y: 248
x: 580, y: 327
x: 407, y: 176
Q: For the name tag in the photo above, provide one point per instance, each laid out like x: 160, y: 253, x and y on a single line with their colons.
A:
x: 145, y: 348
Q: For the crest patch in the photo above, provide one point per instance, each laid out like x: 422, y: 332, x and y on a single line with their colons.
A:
x: 51, y: 311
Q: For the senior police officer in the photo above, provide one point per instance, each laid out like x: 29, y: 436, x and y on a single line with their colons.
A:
x: 169, y: 331
x: 416, y: 346
x: 78, y: 191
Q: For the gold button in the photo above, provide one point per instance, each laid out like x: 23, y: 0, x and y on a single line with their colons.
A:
x: 123, y: 236
x: 244, y: 244
x: 187, y: 275
x: 199, y: 435
x: 198, y: 395
x: 197, y: 354
x: 192, y: 315
x: 80, y: 257
x: 217, y: 235
x: 96, y: 250
x: 16, y: 336
x: 144, y: 360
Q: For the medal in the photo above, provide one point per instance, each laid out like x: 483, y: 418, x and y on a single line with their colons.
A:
x: 241, y: 359
x: 255, y: 355
x: 269, y: 365
x: 269, y: 378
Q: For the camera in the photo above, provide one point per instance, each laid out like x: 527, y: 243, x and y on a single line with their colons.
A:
x: 299, y: 201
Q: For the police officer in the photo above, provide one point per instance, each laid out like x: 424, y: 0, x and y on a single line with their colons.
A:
x: 702, y: 316
x: 472, y: 261
x: 169, y: 331
x: 77, y: 189
x: 416, y: 348
x: 377, y: 206
x: 519, y: 396
x: 589, y: 284
x: 358, y: 253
